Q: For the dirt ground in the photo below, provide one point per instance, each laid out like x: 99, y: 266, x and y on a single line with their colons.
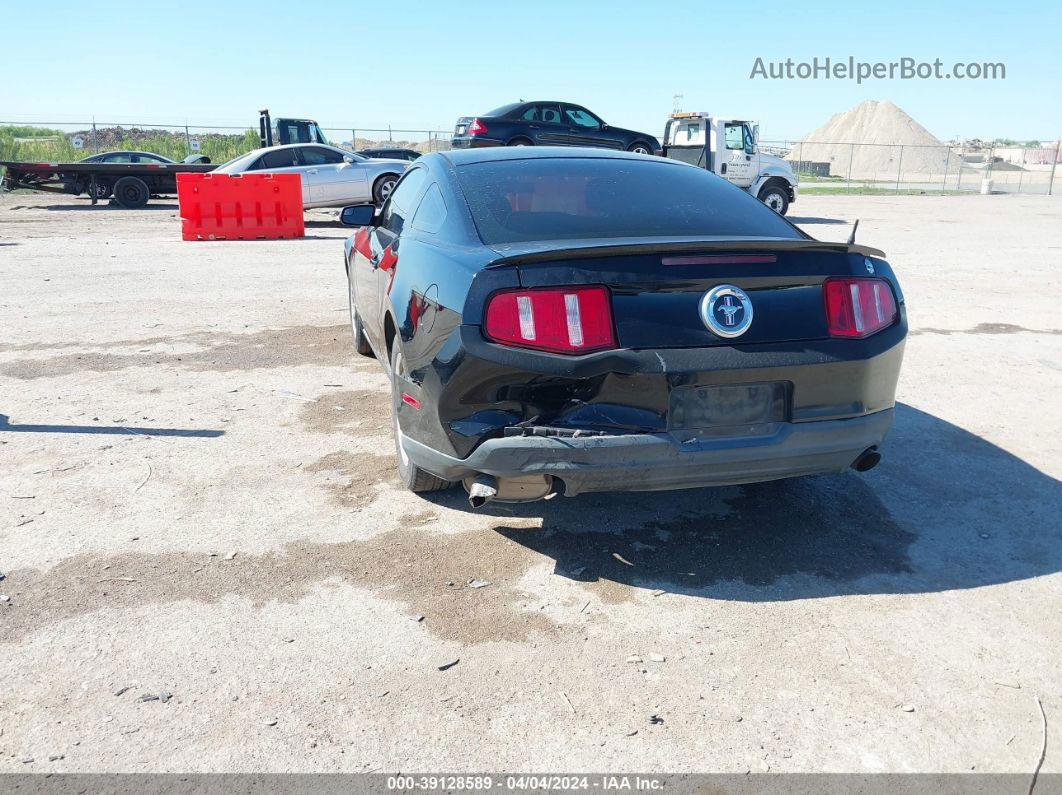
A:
x: 199, y: 501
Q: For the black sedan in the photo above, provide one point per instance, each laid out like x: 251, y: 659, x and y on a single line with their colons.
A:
x: 576, y: 320
x: 547, y: 123
x: 391, y: 154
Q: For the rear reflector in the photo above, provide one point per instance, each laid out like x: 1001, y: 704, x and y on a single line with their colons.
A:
x: 477, y: 127
x: 721, y: 259
x: 409, y: 400
x: 858, y: 307
x: 555, y: 319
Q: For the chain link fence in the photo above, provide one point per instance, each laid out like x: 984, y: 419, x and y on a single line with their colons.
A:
x: 70, y: 141
x: 826, y: 167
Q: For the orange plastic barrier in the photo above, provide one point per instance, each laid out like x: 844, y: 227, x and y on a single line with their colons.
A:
x: 240, y: 206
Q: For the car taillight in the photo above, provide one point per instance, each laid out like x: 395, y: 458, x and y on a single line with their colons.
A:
x: 554, y: 319
x: 477, y: 127
x: 858, y: 307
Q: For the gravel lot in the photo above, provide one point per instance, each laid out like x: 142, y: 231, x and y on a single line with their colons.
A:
x: 198, y: 501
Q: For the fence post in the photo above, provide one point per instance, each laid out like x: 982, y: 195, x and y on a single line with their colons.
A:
x: 353, y: 139
x: 95, y: 139
x: 1021, y: 173
x: 947, y: 162
x: 187, y: 139
x: 962, y: 161
x: 899, y: 169
x: 851, y: 158
x: 1051, y: 182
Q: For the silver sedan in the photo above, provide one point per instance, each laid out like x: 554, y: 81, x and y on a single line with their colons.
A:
x: 331, y: 177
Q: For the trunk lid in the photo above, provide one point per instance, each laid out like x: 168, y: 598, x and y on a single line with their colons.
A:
x: 461, y: 127
x: 657, y: 289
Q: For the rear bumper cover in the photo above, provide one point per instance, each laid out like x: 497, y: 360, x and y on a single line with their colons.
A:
x: 473, y: 142
x: 657, y: 461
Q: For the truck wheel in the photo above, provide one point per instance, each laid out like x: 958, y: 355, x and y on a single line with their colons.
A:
x: 131, y: 193
x: 776, y: 198
x: 382, y: 188
x: 413, y: 477
x: 640, y: 148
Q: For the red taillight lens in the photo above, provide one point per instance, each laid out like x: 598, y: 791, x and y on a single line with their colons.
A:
x: 858, y: 307
x: 477, y: 127
x: 554, y: 319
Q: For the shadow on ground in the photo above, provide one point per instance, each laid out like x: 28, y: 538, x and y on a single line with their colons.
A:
x: 947, y: 510
x: 103, y: 205
x: 806, y: 219
x: 107, y: 430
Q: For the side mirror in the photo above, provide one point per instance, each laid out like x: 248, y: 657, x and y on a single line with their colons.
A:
x: 348, y: 159
x: 358, y: 215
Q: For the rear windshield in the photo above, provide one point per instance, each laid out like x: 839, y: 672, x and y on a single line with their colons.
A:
x: 504, y: 109
x: 515, y: 201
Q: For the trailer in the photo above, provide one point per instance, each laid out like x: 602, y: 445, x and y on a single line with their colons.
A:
x: 132, y: 184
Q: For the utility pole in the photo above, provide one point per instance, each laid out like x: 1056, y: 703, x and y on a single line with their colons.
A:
x: 1054, y: 163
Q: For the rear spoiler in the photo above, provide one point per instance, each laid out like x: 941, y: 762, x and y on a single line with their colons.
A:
x: 691, y: 246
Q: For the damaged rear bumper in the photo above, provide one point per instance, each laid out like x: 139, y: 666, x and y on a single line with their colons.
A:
x: 659, y: 461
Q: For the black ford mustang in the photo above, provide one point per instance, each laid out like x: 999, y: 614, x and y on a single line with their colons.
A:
x: 547, y: 123
x: 578, y: 320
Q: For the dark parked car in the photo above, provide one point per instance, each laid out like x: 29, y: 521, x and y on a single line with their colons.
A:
x: 76, y: 184
x: 547, y: 124
x: 391, y: 154
x: 571, y: 321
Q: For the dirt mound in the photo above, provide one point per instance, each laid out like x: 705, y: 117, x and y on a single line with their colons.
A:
x: 865, y: 141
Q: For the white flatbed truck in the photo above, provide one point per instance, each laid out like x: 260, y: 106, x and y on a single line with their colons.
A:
x: 730, y: 148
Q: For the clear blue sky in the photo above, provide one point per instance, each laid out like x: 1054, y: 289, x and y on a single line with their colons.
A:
x: 423, y: 64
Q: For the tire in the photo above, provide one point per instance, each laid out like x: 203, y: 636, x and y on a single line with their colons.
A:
x: 775, y: 197
x: 412, y: 477
x: 382, y: 188
x: 640, y: 147
x: 357, y: 330
x: 131, y: 193
x: 519, y: 142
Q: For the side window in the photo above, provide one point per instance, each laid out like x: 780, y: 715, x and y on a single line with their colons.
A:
x: 278, y: 158
x: 581, y: 118
x: 119, y: 158
x: 399, y: 205
x: 750, y: 141
x: 735, y: 136
x: 431, y: 215
x: 550, y: 114
x: 318, y: 156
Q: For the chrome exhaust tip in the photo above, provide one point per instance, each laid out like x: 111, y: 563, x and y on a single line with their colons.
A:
x: 867, y: 460
x: 482, y: 490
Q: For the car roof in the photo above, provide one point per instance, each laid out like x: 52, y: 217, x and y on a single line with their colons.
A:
x: 128, y: 152
x: 262, y: 149
x: 490, y: 154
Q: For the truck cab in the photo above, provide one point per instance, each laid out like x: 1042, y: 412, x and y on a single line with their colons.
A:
x: 730, y: 148
x: 281, y: 131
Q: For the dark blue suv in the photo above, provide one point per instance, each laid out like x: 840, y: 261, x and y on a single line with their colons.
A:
x: 547, y: 124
